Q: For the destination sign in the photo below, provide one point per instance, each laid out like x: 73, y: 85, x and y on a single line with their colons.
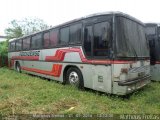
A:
x: 30, y: 53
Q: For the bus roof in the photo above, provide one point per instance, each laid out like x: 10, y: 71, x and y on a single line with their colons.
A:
x: 152, y: 24
x: 116, y: 13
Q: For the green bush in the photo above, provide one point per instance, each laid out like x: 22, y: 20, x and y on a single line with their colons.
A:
x: 4, y: 48
x: 3, y: 53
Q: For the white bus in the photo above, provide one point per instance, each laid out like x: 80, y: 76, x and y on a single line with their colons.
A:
x: 153, y: 34
x: 107, y: 52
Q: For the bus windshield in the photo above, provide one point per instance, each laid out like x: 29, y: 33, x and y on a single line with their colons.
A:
x: 151, y: 30
x: 130, y: 39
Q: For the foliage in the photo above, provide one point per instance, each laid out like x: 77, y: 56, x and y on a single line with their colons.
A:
x: 25, y: 26
x: 3, y: 53
x: 25, y: 94
x: 4, y: 48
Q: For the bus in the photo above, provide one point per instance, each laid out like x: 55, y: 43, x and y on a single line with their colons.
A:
x: 153, y: 35
x: 106, y: 52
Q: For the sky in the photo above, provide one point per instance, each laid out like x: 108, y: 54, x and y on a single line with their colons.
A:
x: 55, y: 12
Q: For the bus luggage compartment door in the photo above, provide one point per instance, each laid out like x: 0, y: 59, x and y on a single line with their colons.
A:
x: 102, y: 78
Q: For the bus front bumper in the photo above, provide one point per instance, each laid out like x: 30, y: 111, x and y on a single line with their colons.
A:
x: 128, y: 86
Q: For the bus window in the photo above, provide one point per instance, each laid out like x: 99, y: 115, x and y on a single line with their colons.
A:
x: 75, y: 33
x: 36, y: 41
x: 26, y: 43
x: 159, y: 33
x: 102, y: 36
x: 88, y: 36
x: 18, y: 45
x: 151, y: 30
x: 64, y: 36
x: 12, y: 46
x: 54, y: 37
x: 46, y: 40
x: 130, y: 33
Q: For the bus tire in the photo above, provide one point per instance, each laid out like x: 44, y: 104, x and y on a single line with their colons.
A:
x: 75, y: 78
x: 18, y: 67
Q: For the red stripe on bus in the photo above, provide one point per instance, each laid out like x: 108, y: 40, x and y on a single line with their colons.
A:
x: 56, y: 70
x: 157, y: 62
x: 26, y: 58
x: 60, y: 55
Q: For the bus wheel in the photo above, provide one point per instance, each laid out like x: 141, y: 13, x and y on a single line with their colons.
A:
x: 75, y: 78
x: 18, y: 67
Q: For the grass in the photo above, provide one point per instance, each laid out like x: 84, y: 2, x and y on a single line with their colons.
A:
x: 25, y: 94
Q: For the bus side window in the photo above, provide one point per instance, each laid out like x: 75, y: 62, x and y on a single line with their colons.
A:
x: 159, y: 33
x: 102, y: 36
x: 46, y: 40
x: 36, y: 41
x: 64, y: 36
x: 88, y: 36
x: 12, y: 46
x: 54, y: 37
x: 18, y: 45
x: 75, y: 33
x: 152, y: 52
x: 26, y: 43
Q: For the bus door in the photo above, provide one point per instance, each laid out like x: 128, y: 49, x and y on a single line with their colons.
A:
x: 97, y: 51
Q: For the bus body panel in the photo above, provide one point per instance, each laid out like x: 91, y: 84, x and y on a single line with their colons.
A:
x: 102, y: 78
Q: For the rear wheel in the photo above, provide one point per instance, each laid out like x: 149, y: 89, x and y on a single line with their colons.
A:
x: 18, y: 67
x: 75, y: 78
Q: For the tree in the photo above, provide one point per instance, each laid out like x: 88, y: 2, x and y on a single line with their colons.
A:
x: 26, y: 26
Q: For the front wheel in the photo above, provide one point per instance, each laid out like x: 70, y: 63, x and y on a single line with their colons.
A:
x: 75, y: 78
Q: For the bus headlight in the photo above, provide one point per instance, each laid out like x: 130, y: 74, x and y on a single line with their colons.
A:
x: 129, y: 89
